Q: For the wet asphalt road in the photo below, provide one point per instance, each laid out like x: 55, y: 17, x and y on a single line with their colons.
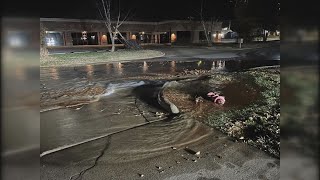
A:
x: 120, y: 136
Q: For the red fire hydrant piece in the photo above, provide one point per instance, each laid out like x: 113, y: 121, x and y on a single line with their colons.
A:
x: 220, y: 100
x: 216, y: 98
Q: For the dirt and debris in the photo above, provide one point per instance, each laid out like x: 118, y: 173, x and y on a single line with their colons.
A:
x: 72, y: 97
x: 250, y: 114
x: 174, y: 148
x: 159, y: 114
x: 196, y: 72
x: 199, y: 107
x: 258, y: 122
x: 199, y: 100
x: 162, y: 171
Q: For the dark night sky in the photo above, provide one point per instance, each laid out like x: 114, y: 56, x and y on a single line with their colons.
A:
x: 141, y: 10
x: 152, y: 10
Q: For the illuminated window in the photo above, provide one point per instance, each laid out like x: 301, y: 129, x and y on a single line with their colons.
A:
x: 54, y: 38
x: 173, y: 37
x: 84, y: 35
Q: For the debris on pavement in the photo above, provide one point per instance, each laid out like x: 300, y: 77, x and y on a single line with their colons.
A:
x: 192, y: 151
x: 162, y: 171
x: 159, y: 114
x: 78, y: 108
x: 196, y: 72
x: 117, y: 113
x: 199, y: 100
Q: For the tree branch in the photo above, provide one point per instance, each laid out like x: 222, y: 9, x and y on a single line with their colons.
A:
x: 124, y: 19
x: 119, y: 15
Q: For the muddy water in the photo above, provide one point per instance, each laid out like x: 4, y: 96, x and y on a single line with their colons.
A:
x: 156, y: 139
x: 239, y: 92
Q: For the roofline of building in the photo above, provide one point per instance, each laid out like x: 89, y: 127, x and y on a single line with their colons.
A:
x: 99, y: 21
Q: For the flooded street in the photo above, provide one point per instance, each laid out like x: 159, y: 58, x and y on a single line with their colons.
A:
x: 118, y: 122
x: 112, y: 71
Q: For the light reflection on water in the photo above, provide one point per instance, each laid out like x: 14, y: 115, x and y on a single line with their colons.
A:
x: 129, y: 69
x: 173, y: 67
x: 54, y: 73
x: 90, y: 71
x: 218, y: 65
x: 118, y: 68
x: 108, y: 68
x: 145, y: 67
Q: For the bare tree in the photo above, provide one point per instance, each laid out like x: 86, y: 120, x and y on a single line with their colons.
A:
x: 112, y: 26
x: 205, y: 28
x: 212, y: 24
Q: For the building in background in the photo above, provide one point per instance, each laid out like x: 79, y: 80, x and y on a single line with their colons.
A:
x: 77, y: 32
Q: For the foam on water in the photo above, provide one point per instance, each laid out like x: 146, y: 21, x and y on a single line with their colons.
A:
x: 112, y: 87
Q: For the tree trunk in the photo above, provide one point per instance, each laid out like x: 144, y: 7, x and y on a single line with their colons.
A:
x: 265, y: 37
x: 209, y: 41
x: 207, y: 38
x: 206, y: 34
x: 113, y: 45
x: 113, y: 42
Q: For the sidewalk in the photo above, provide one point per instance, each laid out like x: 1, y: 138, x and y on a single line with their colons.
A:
x: 88, y: 57
x: 231, y: 46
